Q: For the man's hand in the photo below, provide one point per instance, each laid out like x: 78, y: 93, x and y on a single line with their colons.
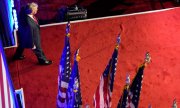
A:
x: 34, y: 47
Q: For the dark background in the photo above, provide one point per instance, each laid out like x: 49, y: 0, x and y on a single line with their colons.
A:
x: 49, y: 10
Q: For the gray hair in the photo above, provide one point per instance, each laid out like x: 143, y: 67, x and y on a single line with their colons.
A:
x: 32, y: 5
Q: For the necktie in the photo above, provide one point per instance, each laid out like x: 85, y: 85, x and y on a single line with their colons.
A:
x: 35, y: 19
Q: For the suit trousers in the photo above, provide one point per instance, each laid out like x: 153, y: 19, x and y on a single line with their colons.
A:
x: 38, y: 52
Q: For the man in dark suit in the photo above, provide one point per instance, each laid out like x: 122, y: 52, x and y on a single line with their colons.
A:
x: 29, y: 34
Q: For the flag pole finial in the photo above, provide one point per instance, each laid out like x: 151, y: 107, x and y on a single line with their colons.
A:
x: 128, y: 79
x: 77, y: 57
x: 118, y: 41
x: 68, y: 29
x: 147, y: 59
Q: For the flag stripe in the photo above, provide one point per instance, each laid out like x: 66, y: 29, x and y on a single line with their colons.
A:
x: 2, y: 86
x: 63, y: 92
x: 11, y: 100
x: 5, y: 84
x: 106, y: 91
x: 64, y: 84
x: 0, y: 99
x: 101, y: 93
x: 9, y: 96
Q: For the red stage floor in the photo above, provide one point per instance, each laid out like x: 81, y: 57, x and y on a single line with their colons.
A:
x: 156, y: 32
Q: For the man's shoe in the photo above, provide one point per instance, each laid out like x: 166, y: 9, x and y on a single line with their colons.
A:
x: 19, y: 57
x: 45, y: 62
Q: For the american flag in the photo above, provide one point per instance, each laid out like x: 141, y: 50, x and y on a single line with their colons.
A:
x: 7, y: 93
x: 64, y: 72
x: 103, y: 94
x: 123, y: 100
x: 74, y: 91
x: 135, y: 89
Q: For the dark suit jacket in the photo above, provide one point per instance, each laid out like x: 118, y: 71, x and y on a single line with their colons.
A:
x: 28, y: 32
x: 35, y: 32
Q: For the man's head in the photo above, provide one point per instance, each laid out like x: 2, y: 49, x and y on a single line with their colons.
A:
x: 33, y: 7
